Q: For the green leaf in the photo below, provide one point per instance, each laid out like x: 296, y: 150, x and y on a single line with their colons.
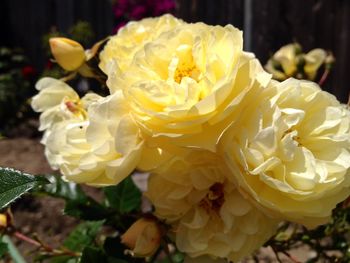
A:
x: 124, y: 197
x: 14, y: 183
x: 87, y: 209
x: 117, y: 260
x: 83, y: 235
x: 61, y: 189
x: 93, y: 255
x: 78, y: 204
x: 114, y: 248
x: 115, y: 251
x: 3, y: 249
x: 63, y: 259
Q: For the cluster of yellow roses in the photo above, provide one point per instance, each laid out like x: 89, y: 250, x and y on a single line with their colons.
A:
x: 230, y: 152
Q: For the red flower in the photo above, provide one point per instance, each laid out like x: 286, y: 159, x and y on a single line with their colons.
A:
x: 28, y: 72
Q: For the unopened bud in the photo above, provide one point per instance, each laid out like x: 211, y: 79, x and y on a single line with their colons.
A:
x: 330, y: 60
x: 143, y: 237
x: 3, y: 221
x: 297, y: 49
x: 69, y: 54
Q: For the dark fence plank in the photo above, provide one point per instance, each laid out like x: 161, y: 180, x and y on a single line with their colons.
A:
x: 219, y: 12
x: 340, y: 84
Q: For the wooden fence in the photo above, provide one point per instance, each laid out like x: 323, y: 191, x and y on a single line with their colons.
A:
x: 267, y: 24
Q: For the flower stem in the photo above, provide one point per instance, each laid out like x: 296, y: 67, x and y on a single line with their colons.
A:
x: 45, y: 247
x: 324, y: 77
x: 26, y: 239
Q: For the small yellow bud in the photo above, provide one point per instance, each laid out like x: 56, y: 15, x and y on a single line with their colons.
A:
x: 3, y: 221
x: 143, y: 237
x: 69, y: 54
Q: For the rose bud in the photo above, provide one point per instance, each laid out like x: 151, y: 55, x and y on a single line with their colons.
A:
x: 69, y: 54
x: 3, y: 221
x: 143, y: 237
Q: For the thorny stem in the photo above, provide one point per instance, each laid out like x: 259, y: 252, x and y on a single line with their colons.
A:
x: 26, y: 239
x: 43, y: 246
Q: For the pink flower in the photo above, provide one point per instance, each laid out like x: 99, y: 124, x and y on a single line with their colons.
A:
x: 139, y: 12
x: 121, y: 8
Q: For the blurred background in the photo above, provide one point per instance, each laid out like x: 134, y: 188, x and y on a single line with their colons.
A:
x: 267, y: 25
x: 26, y: 26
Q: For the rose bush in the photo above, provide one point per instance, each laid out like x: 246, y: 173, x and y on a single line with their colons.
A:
x: 230, y: 152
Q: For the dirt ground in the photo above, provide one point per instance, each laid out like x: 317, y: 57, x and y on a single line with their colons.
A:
x: 43, y: 216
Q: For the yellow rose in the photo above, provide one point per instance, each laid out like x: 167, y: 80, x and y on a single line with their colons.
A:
x: 122, y: 47
x: 207, y: 213
x: 283, y: 64
x: 101, y: 150
x: 188, y: 84
x: 69, y: 54
x: 67, y: 149
x: 313, y: 61
x: 143, y: 237
x: 92, y: 140
x: 113, y: 132
x: 290, y: 152
x: 58, y: 101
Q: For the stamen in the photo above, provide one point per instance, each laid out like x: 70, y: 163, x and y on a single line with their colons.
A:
x: 214, y: 199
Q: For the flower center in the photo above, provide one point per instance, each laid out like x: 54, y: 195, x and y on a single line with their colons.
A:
x: 76, y: 108
x: 214, y: 199
x: 186, y: 66
x: 294, y: 134
x: 186, y: 71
